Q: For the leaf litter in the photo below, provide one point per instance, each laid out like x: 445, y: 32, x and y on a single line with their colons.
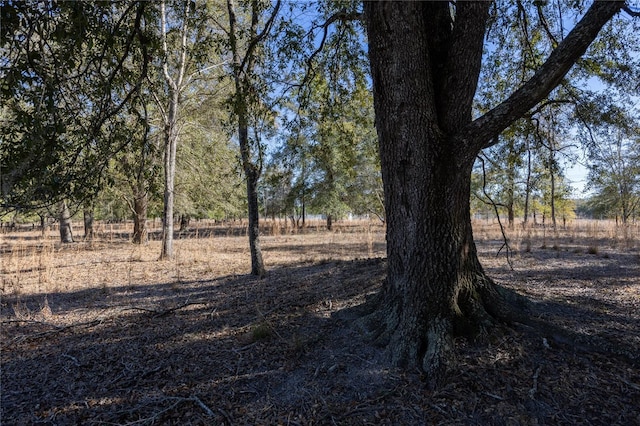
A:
x: 209, y: 344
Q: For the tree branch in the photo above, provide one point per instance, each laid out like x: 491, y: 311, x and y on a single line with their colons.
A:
x: 532, y: 113
x: 343, y: 15
x: 545, y: 26
x: 505, y: 240
x: 259, y: 37
x: 548, y: 76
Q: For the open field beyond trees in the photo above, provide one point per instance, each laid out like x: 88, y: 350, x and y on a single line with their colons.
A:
x: 102, y: 332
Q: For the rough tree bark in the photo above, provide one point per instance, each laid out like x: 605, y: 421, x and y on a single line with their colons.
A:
x: 425, y: 62
x: 252, y: 175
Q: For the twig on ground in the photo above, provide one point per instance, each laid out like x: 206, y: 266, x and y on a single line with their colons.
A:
x: 157, y: 313
x: 494, y: 396
x: 264, y: 318
x: 534, y: 388
x: 57, y: 329
x: 29, y: 321
x: 177, y: 401
x: 203, y: 406
x: 636, y: 387
x: 72, y: 358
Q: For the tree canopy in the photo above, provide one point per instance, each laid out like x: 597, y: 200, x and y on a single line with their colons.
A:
x: 68, y: 70
x: 115, y: 51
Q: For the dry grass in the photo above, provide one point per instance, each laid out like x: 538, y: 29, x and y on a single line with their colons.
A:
x: 581, y: 235
x: 34, y: 265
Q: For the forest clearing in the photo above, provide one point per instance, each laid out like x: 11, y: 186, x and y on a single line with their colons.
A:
x: 102, y: 332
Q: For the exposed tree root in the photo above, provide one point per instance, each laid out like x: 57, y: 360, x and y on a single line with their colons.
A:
x: 426, y: 343
x: 439, y: 356
x: 484, y: 308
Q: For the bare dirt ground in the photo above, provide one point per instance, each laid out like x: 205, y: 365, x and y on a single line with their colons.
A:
x: 104, y: 333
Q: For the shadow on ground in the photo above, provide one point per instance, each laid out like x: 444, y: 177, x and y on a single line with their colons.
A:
x: 243, y: 350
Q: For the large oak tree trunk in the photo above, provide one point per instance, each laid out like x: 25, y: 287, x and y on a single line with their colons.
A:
x: 435, y: 287
x: 435, y: 283
x: 434, y: 280
x: 425, y: 62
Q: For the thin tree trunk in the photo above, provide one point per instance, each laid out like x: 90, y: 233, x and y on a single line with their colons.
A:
x: 252, y: 174
x: 304, y: 213
x: 184, y: 222
x: 43, y: 225
x: 257, y: 264
x: 510, y: 203
x: 527, y: 188
x: 243, y: 85
x: 66, y: 234
x: 171, y: 124
x: 88, y: 223
x: 511, y: 183
x: 169, y: 179
x: 553, y: 187
x: 140, y: 231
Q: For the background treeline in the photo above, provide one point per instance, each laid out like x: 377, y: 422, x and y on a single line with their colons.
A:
x: 137, y: 110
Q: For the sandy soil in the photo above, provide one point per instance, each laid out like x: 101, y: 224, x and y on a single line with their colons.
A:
x: 104, y: 333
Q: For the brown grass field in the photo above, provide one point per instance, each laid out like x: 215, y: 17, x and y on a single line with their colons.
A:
x: 104, y: 333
